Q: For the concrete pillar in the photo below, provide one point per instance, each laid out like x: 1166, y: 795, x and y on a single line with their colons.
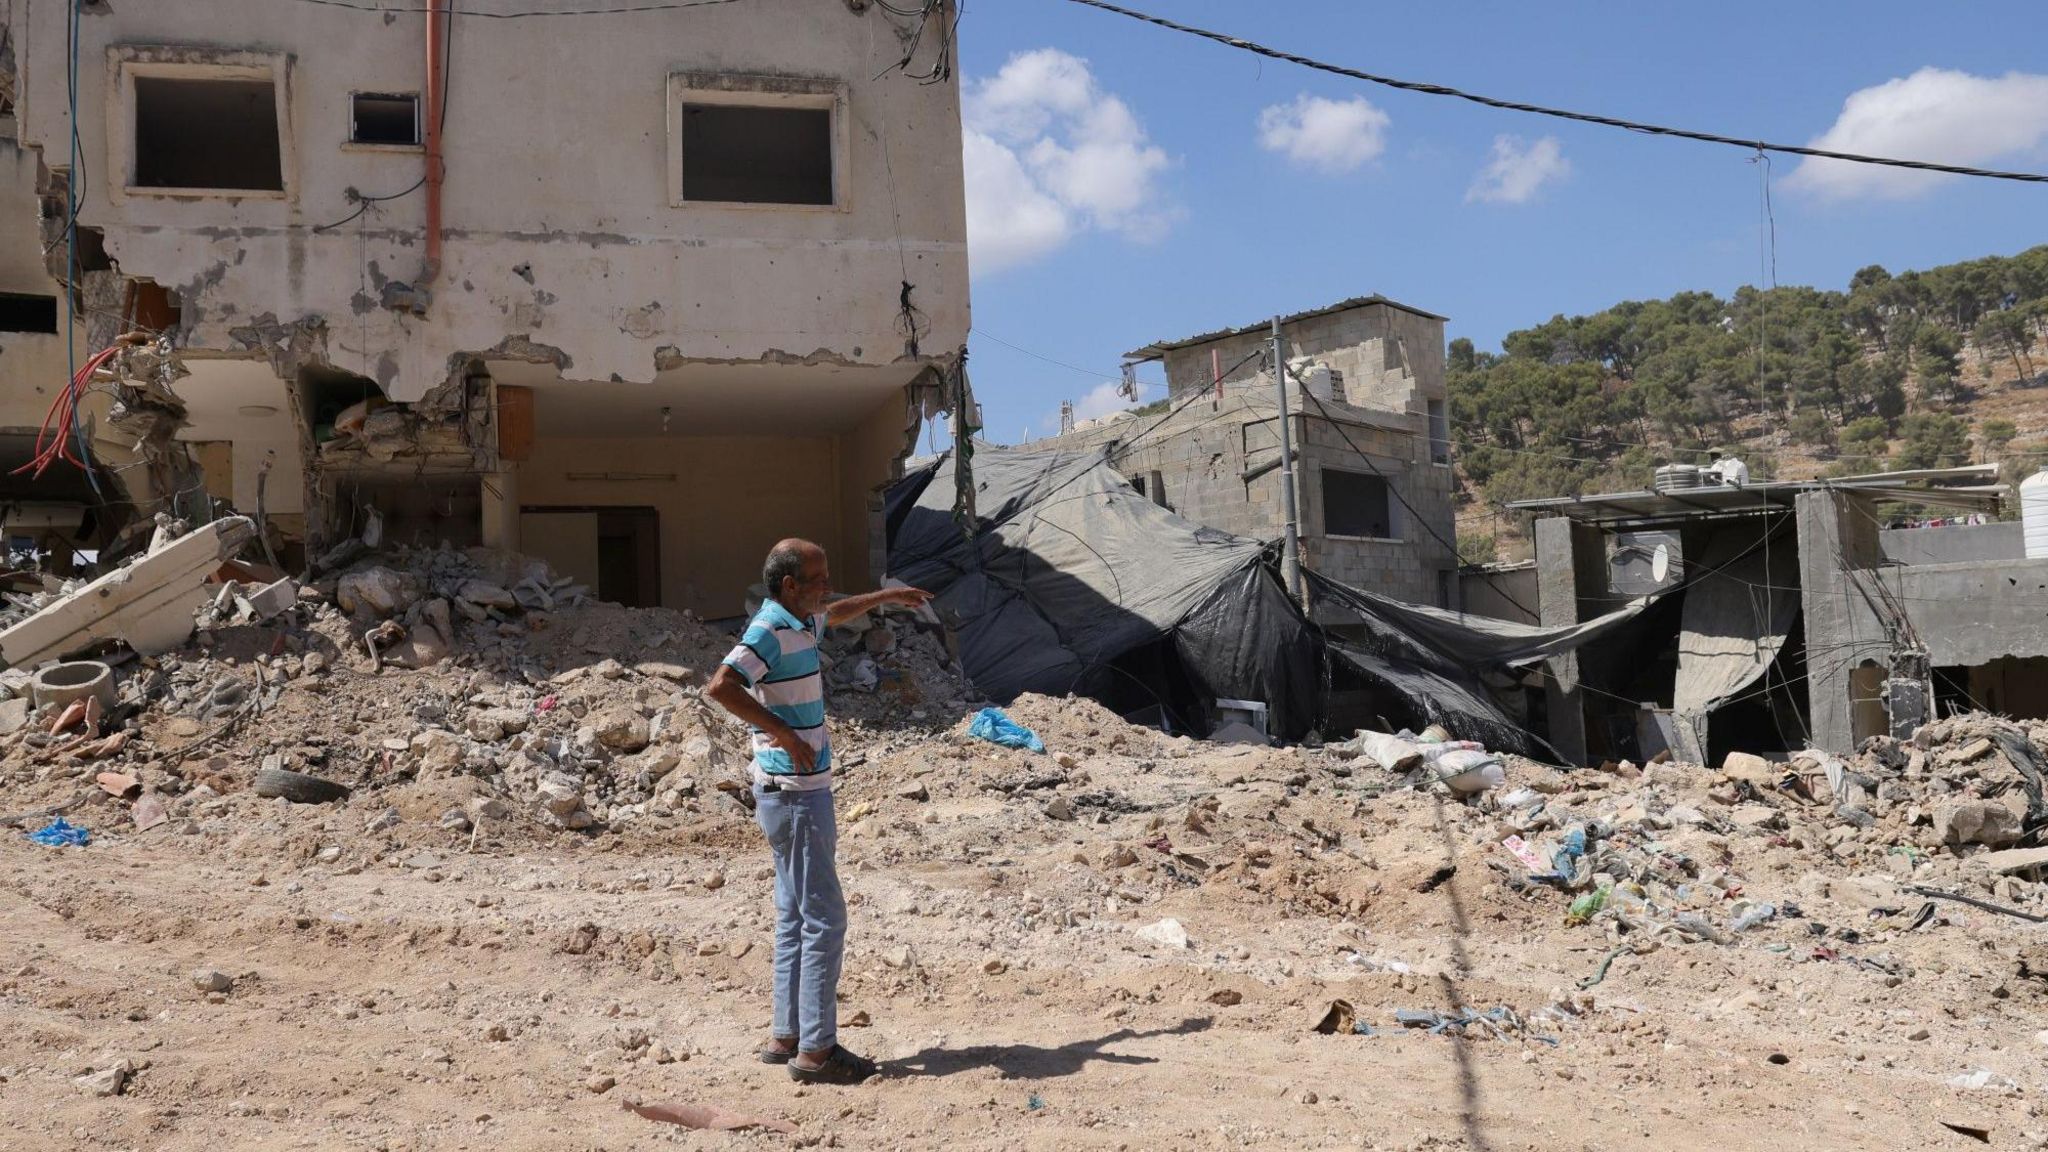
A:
x: 1570, y: 559
x: 1840, y: 630
x: 501, y: 510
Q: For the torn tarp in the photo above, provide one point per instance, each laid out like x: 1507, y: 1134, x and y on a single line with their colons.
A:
x: 1738, y: 611
x: 1468, y: 640
x: 1436, y: 659
x: 1073, y: 582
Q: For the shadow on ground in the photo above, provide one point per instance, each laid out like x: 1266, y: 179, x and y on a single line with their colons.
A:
x: 1032, y: 1062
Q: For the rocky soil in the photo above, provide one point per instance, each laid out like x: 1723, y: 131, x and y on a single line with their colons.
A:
x: 541, y: 901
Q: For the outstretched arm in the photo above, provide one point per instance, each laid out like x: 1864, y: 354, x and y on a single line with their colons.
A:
x: 840, y: 611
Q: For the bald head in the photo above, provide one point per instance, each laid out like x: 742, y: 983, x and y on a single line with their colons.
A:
x: 796, y: 574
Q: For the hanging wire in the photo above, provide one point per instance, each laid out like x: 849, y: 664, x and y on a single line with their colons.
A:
x: 1428, y: 89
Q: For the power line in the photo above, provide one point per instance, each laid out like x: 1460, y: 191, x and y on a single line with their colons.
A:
x: 671, y: 5
x: 1110, y: 377
x: 1560, y: 113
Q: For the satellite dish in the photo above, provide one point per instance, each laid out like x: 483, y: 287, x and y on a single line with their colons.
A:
x: 1660, y: 563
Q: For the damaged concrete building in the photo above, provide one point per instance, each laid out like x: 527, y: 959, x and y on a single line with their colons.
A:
x: 1373, y: 481
x: 389, y: 268
x: 1786, y: 615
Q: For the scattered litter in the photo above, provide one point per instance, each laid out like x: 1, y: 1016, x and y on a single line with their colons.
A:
x: 705, y: 1116
x: 993, y: 725
x: 60, y: 832
x: 1339, y: 1019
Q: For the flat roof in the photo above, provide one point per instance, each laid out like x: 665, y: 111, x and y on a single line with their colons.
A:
x: 1944, y: 487
x: 1159, y: 349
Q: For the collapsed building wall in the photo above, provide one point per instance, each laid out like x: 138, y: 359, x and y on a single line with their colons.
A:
x: 576, y: 251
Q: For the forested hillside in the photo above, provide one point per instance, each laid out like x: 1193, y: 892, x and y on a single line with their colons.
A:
x: 1917, y: 370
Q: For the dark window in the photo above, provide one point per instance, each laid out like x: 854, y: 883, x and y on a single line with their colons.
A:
x: 384, y: 119
x: 740, y: 155
x: 1138, y: 482
x: 1355, y: 504
x: 1439, y: 433
x: 20, y: 313
x: 207, y: 134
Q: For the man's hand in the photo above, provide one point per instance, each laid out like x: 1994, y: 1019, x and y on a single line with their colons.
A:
x: 907, y: 597
x: 801, y: 755
x: 840, y: 611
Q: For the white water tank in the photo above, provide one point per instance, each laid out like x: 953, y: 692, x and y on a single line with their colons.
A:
x: 1677, y: 478
x: 2034, y: 514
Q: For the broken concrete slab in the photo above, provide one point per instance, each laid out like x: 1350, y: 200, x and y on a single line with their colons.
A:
x: 273, y: 598
x: 377, y: 592
x: 148, y: 604
x: 2014, y: 860
x: 1976, y: 822
x: 1750, y: 767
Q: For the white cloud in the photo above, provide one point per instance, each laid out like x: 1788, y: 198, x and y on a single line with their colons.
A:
x: 1327, y: 135
x: 1934, y: 114
x: 1518, y: 169
x: 1049, y: 154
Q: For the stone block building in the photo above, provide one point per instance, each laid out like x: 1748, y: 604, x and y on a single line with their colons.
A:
x: 1373, y: 480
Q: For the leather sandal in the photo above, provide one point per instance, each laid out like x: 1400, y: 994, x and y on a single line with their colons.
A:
x: 774, y: 1055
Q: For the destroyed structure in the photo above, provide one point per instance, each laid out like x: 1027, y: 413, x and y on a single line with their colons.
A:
x: 1371, y: 437
x: 1786, y: 614
x: 373, y: 279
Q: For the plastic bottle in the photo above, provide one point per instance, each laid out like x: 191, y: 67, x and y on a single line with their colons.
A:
x: 1747, y: 918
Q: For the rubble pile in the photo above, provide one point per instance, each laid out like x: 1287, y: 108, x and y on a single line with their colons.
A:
x: 1816, y: 854
x: 476, y: 668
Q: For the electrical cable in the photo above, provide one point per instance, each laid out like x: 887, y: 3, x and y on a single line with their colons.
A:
x: 1392, y: 488
x: 363, y: 203
x: 1560, y: 113
x: 1109, y: 377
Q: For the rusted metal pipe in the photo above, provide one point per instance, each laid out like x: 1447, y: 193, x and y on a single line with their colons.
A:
x: 435, y: 11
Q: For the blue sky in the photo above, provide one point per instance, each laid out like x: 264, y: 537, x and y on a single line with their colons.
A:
x: 1131, y: 183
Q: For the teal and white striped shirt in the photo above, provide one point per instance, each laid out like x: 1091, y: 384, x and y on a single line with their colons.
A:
x: 777, y: 656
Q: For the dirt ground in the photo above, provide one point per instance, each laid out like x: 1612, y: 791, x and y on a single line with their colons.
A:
x: 376, y: 974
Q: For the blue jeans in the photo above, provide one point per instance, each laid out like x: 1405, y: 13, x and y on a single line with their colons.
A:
x: 810, y: 914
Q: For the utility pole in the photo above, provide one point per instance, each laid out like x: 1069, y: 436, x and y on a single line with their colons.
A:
x: 1291, y: 557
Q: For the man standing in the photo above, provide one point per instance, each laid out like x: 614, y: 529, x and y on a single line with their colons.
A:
x: 771, y: 680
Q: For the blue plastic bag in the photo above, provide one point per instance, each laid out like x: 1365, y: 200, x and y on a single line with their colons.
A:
x: 990, y: 724
x: 59, y: 833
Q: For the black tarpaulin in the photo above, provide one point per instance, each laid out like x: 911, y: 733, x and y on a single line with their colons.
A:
x: 1070, y: 571
x: 1074, y: 582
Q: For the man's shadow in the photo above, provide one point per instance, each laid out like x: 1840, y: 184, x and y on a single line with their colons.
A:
x: 1031, y: 1062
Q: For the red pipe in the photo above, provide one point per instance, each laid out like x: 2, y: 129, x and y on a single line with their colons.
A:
x: 433, y: 136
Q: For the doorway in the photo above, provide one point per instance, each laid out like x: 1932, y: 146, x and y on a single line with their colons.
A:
x: 615, y: 552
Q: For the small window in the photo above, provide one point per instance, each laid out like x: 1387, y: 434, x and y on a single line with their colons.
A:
x: 192, y: 133
x: 747, y: 154
x: 384, y: 119
x: 1355, y: 504
x: 1439, y: 433
x: 21, y: 313
x: 1138, y: 482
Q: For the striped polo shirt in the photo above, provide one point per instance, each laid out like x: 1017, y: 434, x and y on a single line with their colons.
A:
x: 777, y: 656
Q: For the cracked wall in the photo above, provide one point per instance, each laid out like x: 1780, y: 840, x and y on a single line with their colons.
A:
x: 561, y: 240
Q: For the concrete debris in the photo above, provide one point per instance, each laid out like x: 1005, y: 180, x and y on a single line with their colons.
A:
x: 109, y: 1081
x: 1166, y: 933
x: 148, y: 604
x: 1986, y: 822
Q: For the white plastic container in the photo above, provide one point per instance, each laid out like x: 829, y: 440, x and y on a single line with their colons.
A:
x: 2034, y: 514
